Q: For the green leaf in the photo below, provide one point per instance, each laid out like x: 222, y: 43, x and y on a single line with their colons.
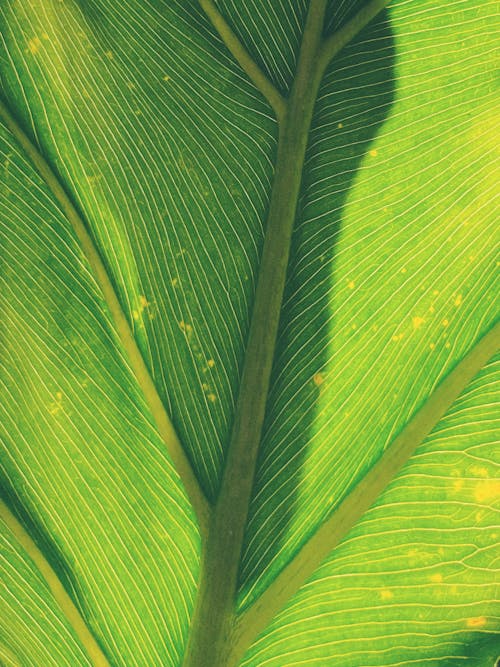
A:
x: 248, y: 280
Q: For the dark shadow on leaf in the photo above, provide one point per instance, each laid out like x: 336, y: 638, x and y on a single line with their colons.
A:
x: 354, y: 102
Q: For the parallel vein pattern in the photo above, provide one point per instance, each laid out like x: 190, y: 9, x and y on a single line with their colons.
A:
x: 414, y: 582
x: 168, y: 150
x: 81, y: 456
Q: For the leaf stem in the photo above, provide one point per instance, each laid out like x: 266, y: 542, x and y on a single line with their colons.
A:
x: 256, y: 618
x: 160, y: 416
x: 71, y: 613
x: 210, y: 640
x: 244, y: 59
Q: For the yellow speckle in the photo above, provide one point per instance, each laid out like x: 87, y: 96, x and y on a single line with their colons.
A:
x: 210, y: 363
x: 417, y: 322
x: 404, y: 270
x: 354, y: 326
x: 447, y: 345
x: 436, y: 578
x: 351, y: 284
x: 135, y: 314
x: 458, y: 300
x: 397, y: 337
x: 487, y: 490
x: 56, y: 406
x: 374, y: 152
x: 435, y: 292
x: 340, y: 125
x: 458, y: 484
x: 212, y: 398
x: 187, y: 328
x: 445, y: 323
x: 318, y: 379
x: 34, y: 45
x: 109, y: 54
x: 432, y: 346
x: 479, y: 471
x: 44, y: 35
x: 166, y: 78
x: 431, y: 309
x: 174, y: 282
x: 386, y: 594
x: 143, y: 301
x: 476, y: 622
x: 204, y: 386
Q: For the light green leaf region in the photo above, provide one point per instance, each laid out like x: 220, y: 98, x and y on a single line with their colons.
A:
x: 408, y: 585
x: 167, y: 150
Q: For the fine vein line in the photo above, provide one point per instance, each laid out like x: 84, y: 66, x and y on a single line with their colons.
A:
x: 66, y: 604
x: 256, y: 618
x: 244, y: 59
x: 160, y: 416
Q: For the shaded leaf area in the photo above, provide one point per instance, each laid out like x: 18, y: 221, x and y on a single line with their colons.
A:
x: 414, y: 581
x: 365, y: 340
x: 82, y: 463
x: 33, y: 629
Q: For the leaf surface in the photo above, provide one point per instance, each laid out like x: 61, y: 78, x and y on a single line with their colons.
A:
x: 166, y: 149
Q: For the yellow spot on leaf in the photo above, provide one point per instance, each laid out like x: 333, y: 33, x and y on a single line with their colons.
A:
x: 210, y: 363
x: 109, y: 54
x: 340, y: 126
x: 432, y: 346
x: 34, y: 45
x: 476, y: 622
x: 445, y: 322
x: 417, y: 322
x: 386, y: 594
x: 143, y: 301
x: 351, y: 284
x: 397, y: 337
x: 458, y: 484
x: 185, y: 327
x: 166, y: 78
x: 436, y: 578
x: 374, y: 152
x: 56, y: 406
x: 212, y: 398
x: 487, y: 490
x: 174, y: 282
x: 479, y: 471
x: 404, y: 270
x: 458, y: 300
x: 318, y: 379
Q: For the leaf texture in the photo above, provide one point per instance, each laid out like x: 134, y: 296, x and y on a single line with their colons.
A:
x: 407, y: 586
x: 168, y: 152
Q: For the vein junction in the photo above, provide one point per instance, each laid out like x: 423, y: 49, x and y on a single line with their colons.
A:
x: 211, y: 641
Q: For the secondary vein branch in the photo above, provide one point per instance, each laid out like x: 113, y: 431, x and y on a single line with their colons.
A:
x: 57, y: 589
x: 253, y: 621
x: 344, y: 35
x: 160, y: 416
x: 244, y: 59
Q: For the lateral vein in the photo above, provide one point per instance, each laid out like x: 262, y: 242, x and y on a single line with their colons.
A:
x: 336, y: 42
x: 244, y: 59
x: 141, y: 372
x: 62, y: 598
x: 256, y: 618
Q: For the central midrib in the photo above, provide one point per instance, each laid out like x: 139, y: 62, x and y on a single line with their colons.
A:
x: 214, y: 616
